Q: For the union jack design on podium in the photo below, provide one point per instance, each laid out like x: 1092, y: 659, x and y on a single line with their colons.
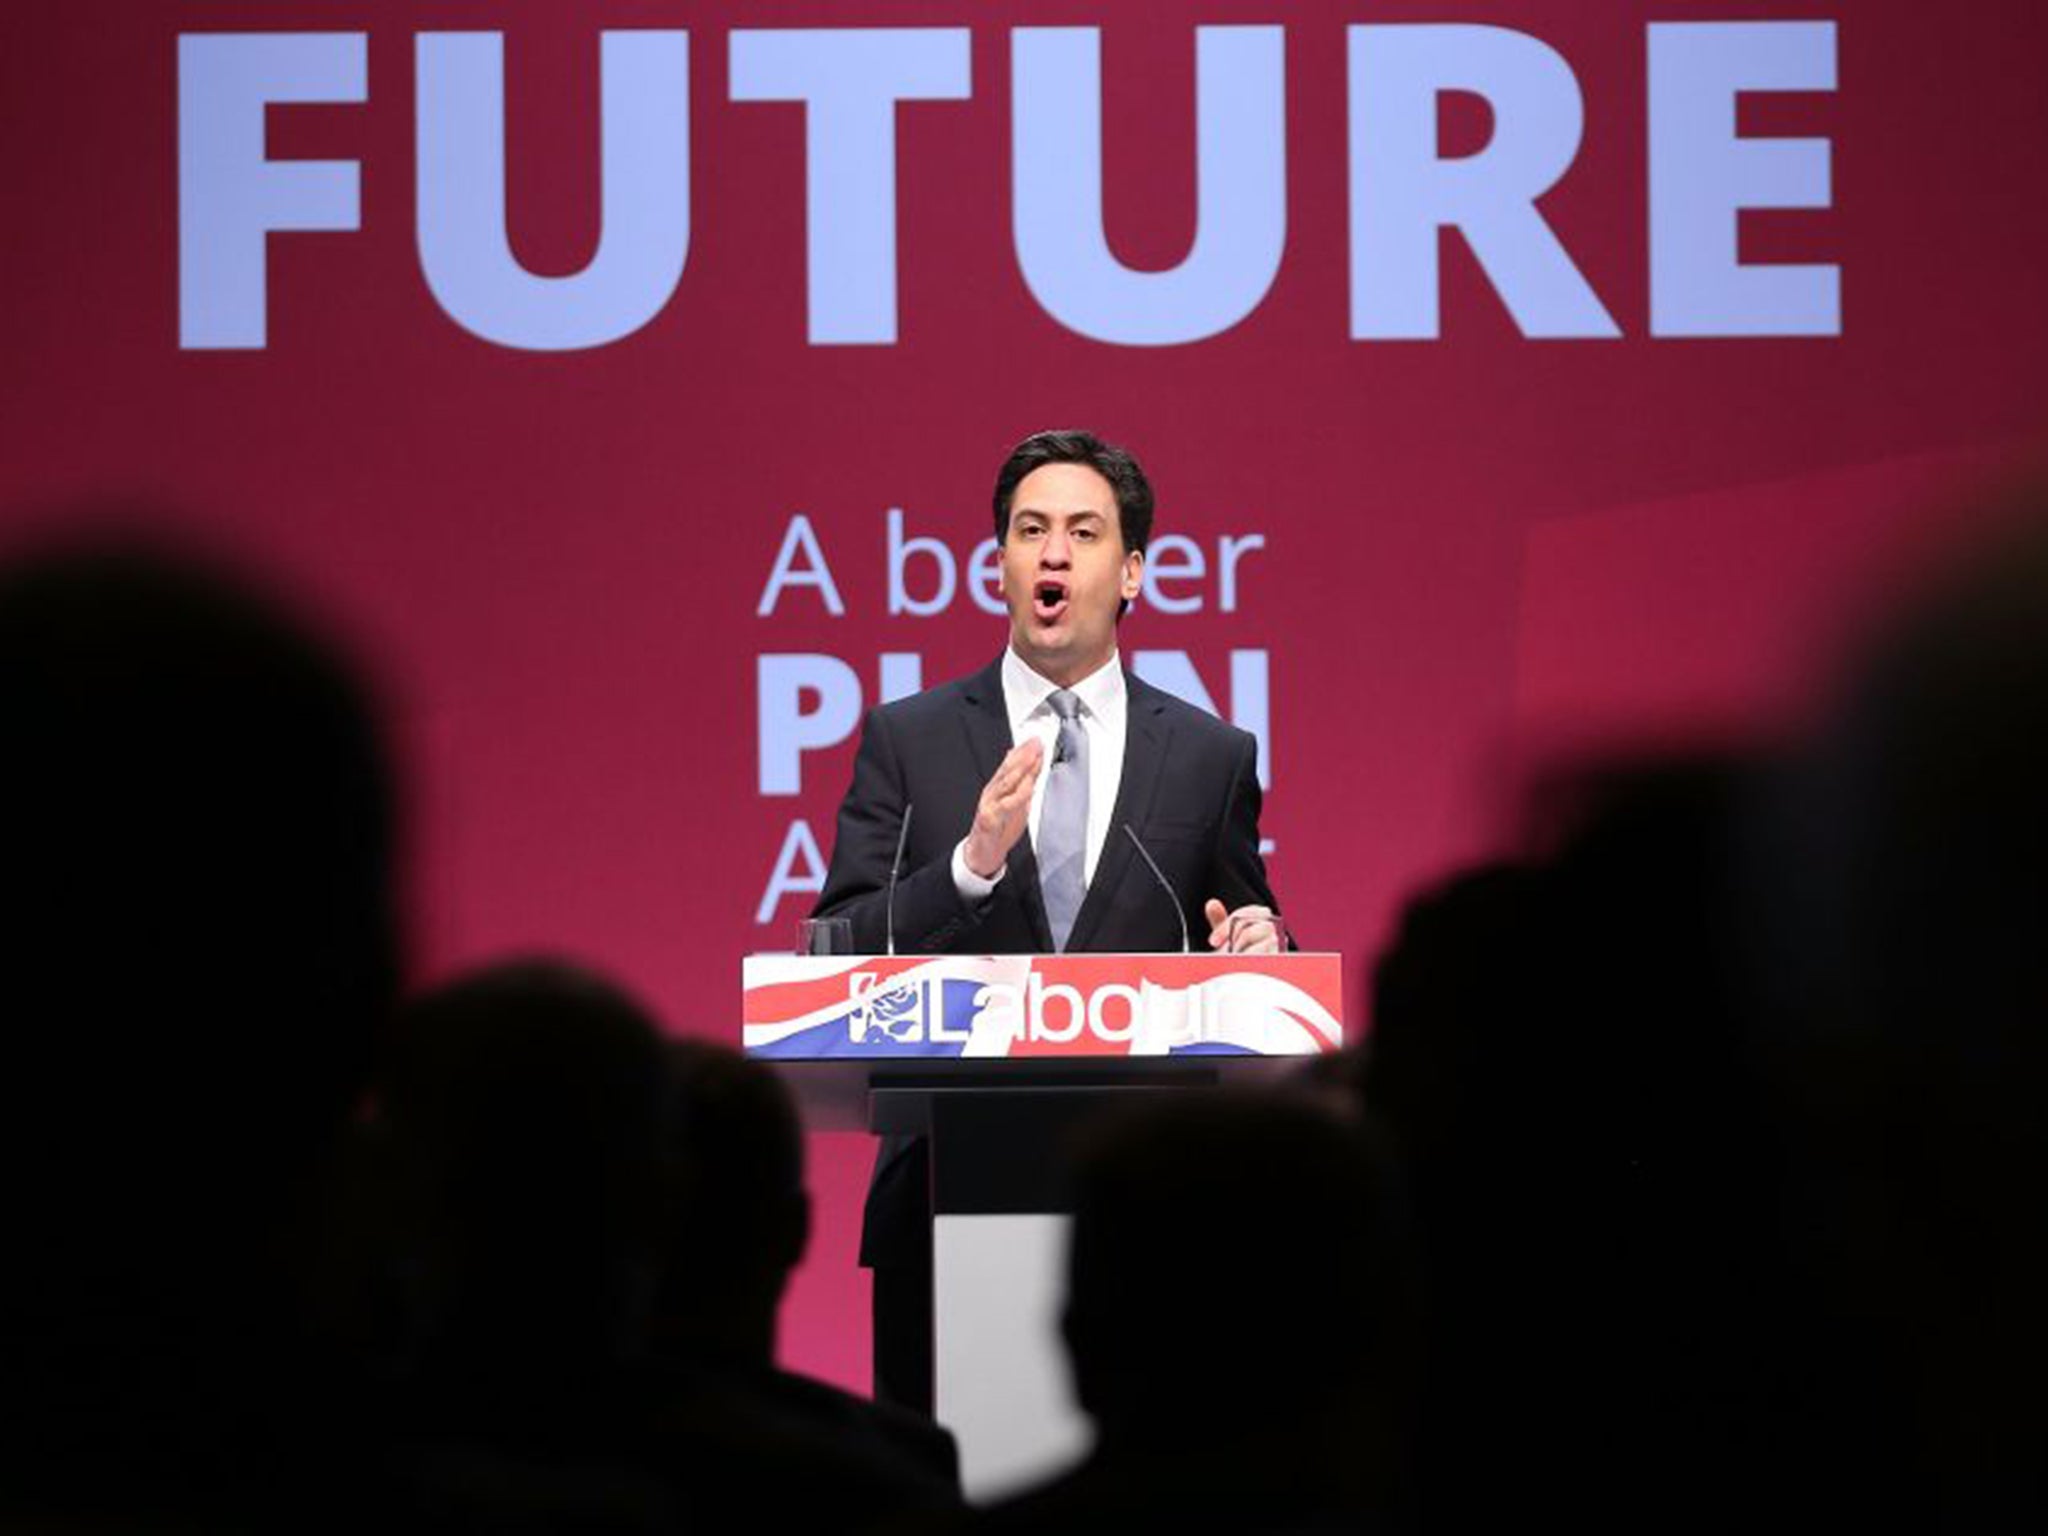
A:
x: 985, y: 1006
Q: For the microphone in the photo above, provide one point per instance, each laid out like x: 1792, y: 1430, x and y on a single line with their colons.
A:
x: 1165, y: 885
x: 895, y: 869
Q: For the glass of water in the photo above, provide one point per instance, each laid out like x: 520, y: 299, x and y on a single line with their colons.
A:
x: 825, y: 936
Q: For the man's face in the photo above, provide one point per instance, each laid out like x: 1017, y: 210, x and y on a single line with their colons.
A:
x: 1066, y: 572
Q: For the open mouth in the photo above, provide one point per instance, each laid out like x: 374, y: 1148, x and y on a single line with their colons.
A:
x: 1048, y: 600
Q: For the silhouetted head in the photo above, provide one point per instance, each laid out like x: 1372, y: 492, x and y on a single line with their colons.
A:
x: 1922, y: 902
x: 523, y: 1112
x: 197, y: 948
x: 195, y: 895
x: 1561, y: 1051
x: 1577, y: 1008
x: 1447, y: 1051
x: 1231, y: 1262
x: 743, y: 1222
x: 1927, y: 828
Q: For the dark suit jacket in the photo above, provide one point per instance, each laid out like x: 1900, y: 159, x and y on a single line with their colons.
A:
x: 1189, y: 790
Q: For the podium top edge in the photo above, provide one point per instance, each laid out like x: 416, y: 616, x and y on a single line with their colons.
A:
x: 1026, y: 954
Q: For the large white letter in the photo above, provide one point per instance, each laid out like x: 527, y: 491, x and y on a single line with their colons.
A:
x: 1250, y: 691
x: 1403, y: 192
x: 899, y: 675
x: 799, y: 871
x: 850, y: 81
x: 787, y: 728
x: 1702, y: 175
x: 644, y: 181
x: 944, y: 580
x: 1240, y: 187
x: 229, y: 196
x: 798, y: 539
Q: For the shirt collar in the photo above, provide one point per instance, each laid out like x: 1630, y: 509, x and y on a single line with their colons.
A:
x: 1025, y: 692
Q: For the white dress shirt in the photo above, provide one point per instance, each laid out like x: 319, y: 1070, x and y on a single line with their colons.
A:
x: 1103, y: 715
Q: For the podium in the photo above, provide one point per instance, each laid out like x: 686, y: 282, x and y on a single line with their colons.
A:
x: 996, y: 1059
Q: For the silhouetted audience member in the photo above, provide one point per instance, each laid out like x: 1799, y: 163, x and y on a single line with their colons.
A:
x: 1693, y: 1170
x: 1237, y: 1311
x: 1335, y: 1077
x: 1916, y: 911
x: 199, y: 945
x: 520, y: 1129
x: 735, y: 1236
x: 593, y: 1227
x: 1564, y: 1049
x: 744, y: 1220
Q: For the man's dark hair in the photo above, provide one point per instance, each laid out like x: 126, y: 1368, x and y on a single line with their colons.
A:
x: 1072, y: 446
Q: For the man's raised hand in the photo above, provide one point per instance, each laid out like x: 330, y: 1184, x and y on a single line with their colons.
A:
x: 1005, y: 808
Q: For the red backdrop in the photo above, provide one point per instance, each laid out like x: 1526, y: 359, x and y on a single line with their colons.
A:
x: 1476, y: 548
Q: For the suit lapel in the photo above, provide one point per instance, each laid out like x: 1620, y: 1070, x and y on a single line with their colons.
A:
x: 1146, y: 736
x: 987, y: 719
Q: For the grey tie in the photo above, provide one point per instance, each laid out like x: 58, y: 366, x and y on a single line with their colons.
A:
x: 1063, y: 821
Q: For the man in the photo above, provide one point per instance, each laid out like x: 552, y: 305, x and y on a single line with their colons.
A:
x: 1184, y: 1199
x: 1020, y: 782
x: 729, y: 1247
x: 200, y: 945
x: 595, y: 1226
x: 1028, y: 787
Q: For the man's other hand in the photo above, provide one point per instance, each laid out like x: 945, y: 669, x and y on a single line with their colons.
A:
x: 1004, y: 810
x: 1255, y: 938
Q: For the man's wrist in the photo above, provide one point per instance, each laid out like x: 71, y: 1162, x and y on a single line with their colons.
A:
x: 973, y: 888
